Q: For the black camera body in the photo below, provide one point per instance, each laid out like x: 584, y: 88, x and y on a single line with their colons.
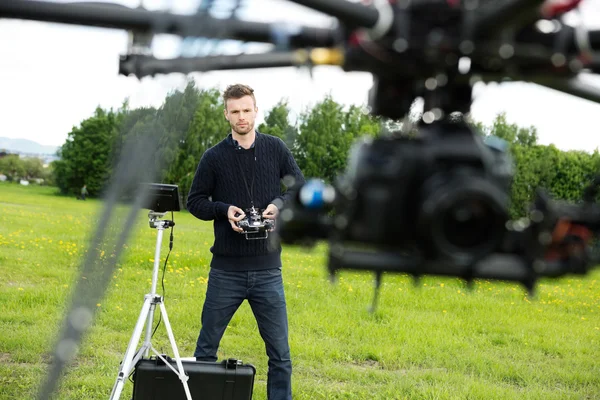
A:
x: 255, y: 226
x: 441, y: 196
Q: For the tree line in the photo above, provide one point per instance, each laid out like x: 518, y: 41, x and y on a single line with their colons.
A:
x: 16, y: 168
x: 191, y: 120
x: 188, y: 123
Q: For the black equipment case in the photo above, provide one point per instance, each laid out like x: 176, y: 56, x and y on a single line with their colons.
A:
x: 226, y: 380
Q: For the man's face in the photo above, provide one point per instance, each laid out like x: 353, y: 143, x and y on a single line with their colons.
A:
x: 241, y: 114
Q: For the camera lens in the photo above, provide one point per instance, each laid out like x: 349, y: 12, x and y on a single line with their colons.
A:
x: 468, y: 223
x: 463, y: 219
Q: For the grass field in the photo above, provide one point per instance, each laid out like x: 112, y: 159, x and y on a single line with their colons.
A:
x: 435, y: 340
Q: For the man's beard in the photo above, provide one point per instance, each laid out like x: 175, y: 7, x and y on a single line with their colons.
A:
x: 242, y: 130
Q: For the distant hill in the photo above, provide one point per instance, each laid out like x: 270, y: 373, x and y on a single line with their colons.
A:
x: 25, y: 146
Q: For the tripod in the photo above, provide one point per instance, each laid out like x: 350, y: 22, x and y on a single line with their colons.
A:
x: 146, y: 316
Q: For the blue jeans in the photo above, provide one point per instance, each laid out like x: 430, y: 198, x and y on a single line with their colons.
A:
x: 264, y: 291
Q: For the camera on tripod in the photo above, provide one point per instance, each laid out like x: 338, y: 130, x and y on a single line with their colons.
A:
x: 254, y: 225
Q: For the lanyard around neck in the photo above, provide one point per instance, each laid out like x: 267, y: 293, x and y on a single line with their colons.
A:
x: 249, y: 189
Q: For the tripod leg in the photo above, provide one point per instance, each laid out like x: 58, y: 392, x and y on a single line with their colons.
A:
x: 126, y: 364
x: 149, y: 320
x: 182, y: 375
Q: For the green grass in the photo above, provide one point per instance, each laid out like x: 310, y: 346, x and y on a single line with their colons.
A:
x: 436, y: 340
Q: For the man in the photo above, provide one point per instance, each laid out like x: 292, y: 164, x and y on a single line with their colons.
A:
x: 244, y: 170
x: 84, y: 192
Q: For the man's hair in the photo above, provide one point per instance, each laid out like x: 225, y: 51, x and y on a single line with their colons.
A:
x: 238, y: 91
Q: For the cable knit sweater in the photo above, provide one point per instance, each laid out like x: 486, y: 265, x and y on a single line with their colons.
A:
x: 219, y: 183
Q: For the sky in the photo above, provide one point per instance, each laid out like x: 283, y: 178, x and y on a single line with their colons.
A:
x: 53, y: 76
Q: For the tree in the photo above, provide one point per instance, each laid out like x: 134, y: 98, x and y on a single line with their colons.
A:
x: 12, y: 166
x: 325, y: 136
x: 33, y: 166
x: 512, y: 133
x: 175, y: 116
x: 277, y: 123
x: 48, y: 175
x: 563, y: 174
x: 527, y: 136
x: 206, y: 129
x: 574, y: 171
x: 85, y: 156
x: 535, y: 167
x: 128, y: 118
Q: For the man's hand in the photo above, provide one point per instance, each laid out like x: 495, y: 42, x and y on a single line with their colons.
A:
x: 271, y: 212
x: 231, y: 215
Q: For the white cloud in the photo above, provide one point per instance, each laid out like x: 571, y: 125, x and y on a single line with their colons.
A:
x: 53, y: 76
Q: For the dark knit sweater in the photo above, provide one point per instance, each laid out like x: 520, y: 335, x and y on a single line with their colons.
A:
x: 219, y: 183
